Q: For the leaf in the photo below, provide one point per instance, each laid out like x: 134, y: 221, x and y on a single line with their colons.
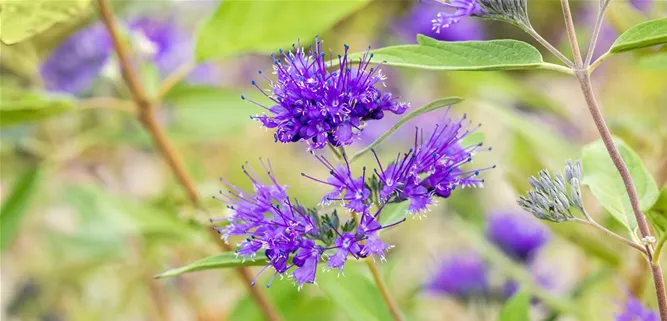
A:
x: 432, y: 54
x: 220, y: 261
x: 645, y: 34
x: 605, y: 182
x: 354, y: 293
x: 22, y: 19
x: 239, y: 27
x: 517, y: 308
x: 436, y: 104
x: 17, y: 106
x: 16, y: 205
x: 393, y: 213
x: 657, y: 215
x: 654, y: 62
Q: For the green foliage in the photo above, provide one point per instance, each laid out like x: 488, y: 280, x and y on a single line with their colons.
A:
x: 16, y: 205
x: 645, y: 34
x: 355, y: 293
x: 239, y: 27
x: 219, y: 261
x: 434, y: 105
x: 517, y: 308
x: 393, y: 213
x: 432, y: 54
x: 17, y: 106
x: 22, y: 19
x: 657, y: 215
x: 602, y: 177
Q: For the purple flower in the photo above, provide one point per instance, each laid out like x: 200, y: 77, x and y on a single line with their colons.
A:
x: 510, y: 287
x: 345, y: 244
x: 458, y: 9
x: 431, y: 168
x: 635, y: 311
x: 462, y: 276
x: 419, y: 22
x: 518, y: 236
x: 77, y: 61
x: 346, y: 188
x: 321, y: 107
x: 269, y: 220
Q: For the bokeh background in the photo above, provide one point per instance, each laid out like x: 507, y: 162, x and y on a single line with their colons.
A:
x: 100, y: 213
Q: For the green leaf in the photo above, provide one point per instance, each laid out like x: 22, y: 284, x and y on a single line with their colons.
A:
x: 654, y: 62
x: 432, y: 54
x: 605, y: 182
x: 517, y: 308
x: 16, y: 205
x: 17, y: 107
x: 220, y: 261
x: 22, y: 19
x: 354, y: 293
x: 436, y: 104
x: 393, y: 213
x: 239, y: 27
x: 657, y: 215
x: 645, y: 34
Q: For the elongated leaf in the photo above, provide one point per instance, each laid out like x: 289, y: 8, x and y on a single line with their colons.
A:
x: 646, y: 34
x: 263, y: 26
x: 18, y: 107
x: 436, y: 104
x: 605, y: 182
x: 22, y: 19
x: 517, y: 308
x: 220, y: 261
x: 16, y: 206
x: 432, y: 54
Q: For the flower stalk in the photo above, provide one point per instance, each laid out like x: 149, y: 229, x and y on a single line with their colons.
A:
x: 145, y: 109
x: 386, y: 295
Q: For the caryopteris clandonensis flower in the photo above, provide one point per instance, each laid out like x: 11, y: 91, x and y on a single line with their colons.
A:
x: 319, y: 106
x: 433, y: 167
x: 457, y: 10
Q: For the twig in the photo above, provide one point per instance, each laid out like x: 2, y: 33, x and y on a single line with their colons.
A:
x: 612, y: 234
x: 546, y: 44
x: 571, y: 33
x: 658, y: 249
x: 145, y: 114
x: 174, y: 78
x: 597, y: 62
x: 393, y: 308
x: 596, y: 32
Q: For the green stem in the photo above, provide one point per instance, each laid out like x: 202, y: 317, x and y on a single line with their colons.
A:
x: 386, y: 295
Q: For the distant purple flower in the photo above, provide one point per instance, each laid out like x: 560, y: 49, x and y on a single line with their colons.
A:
x: 518, y: 236
x: 458, y: 9
x: 77, y: 61
x: 352, y: 191
x: 462, y: 276
x: 635, y: 311
x: 419, y: 22
x: 643, y: 5
x: 510, y: 287
x: 431, y: 168
x: 320, y: 106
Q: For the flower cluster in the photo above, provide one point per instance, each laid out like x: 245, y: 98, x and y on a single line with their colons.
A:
x: 320, y: 106
x: 433, y: 167
x: 549, y: 199
x: 323, y: 108
x: 291, y: 236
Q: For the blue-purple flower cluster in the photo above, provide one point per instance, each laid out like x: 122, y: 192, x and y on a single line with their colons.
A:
x: 313, y: 104
x: 634, y: 310
x: 328, y: 108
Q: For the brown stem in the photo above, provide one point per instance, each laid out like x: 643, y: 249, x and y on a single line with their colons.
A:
x: 393, y: 308
x: 593, y: 106
x: 146, y: 109
x: 571, y: 34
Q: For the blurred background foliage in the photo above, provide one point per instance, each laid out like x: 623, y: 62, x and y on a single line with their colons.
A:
x: 91, y: 212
